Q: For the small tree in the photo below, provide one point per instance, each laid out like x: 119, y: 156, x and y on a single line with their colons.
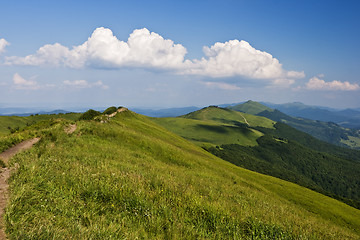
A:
x: 89, y: 115
x: 110, y: 110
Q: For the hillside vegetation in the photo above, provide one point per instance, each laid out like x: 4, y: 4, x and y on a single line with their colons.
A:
x: 326, y: 131
x: 250, y: 107
x: 10, y: 124
x: 214, y: 126
x: 227, y: 116
x: 205, y: 133
x: 279, y: 151
x: 130, y: 178
x: 293, y: 162
x: 348, y: 118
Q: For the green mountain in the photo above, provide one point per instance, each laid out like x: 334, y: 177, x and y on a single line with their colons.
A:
x: 304, y: 159
x: 348, y: 118
x: 127, y: 177
x: 250, y: 107
x: 325, y: 131
x: 213, y: 126
x: 227, y: 116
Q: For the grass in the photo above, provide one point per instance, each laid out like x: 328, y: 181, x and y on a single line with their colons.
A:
x: 353, y: 142
x: 130, y: 178
x: 250, y: 107
x: 206, y: 134
x: 227, y: 116
x: 10, y: 124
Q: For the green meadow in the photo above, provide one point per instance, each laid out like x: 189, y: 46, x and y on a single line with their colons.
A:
x: 213, y: 126
x: 10, y: 124
x: 129, y: 178
x: 228, y: 116
x: 210, y: 133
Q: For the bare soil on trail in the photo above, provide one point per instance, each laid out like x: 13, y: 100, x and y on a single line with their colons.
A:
x: 70, y: 129
x: 5, y: 174
x: 6, y: 155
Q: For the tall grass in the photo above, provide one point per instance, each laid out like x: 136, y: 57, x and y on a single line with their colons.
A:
x: 130, y: 178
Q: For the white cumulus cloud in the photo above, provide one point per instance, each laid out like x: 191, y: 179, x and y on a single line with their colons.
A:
x: 147, y: 49
x: 3, y: 44
x: 22, y: 83
x: 103, y: 49
x: 315, y: 83
x: 238, y: 58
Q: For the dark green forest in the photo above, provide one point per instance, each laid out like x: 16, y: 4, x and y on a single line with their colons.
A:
x: 291, y: 161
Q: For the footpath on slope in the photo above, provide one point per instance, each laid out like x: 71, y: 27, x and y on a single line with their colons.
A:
x: 245, y: 120
x: 70, y: 129
x: 5, y: 174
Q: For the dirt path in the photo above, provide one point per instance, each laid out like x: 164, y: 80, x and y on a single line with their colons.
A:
x: 118, y: 111
x: 245, y: 120
x: 5, y: 174
x: 71, y: 128
x: 5, y: 156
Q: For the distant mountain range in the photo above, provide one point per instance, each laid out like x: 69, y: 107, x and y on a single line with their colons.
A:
x: 167, y: 112
x: 324, y: 130
x: 349, y: 118
x: 24, y: 112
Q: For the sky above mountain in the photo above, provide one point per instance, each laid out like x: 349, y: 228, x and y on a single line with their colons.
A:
x: 179, y: 53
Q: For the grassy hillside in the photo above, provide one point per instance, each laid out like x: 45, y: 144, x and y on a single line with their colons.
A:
x: 205, y: 133
x: 304, y: 160
x: 10, y: 124
x: 130, y: 178
x: 213, y: 126
x: 282, y: 130
x: 348, y: 118
x: 293, y: 162
x: 227, y: 116
x: 250, y: 107
x: 325, y: 131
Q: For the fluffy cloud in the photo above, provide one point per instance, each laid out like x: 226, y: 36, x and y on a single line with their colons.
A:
x: 147, y: 49
x: 103, y: 49
x: 3, y: 44
x: 315, y: 83
x: 221, y: 85
x: 84, y: 84
x: 21, y: 83
x: 238, y: 58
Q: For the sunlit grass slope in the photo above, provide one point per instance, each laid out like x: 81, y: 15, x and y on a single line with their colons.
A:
x: 213, y: 126
x: 131, y: 178
x: 210, y: 133
x: 250, y: 107
x: 228, y: 116
x: 11, y: 123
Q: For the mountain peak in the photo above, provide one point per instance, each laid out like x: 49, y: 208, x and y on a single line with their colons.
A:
x: 250, y: 107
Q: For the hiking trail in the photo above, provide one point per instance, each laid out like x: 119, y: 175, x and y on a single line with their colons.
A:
x: 5, y: 174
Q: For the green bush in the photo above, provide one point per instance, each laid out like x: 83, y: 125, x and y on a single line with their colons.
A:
x: 110, y: 110
x: 89, y: 115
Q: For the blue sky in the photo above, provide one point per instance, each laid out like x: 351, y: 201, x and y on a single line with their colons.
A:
x: 179, y: 53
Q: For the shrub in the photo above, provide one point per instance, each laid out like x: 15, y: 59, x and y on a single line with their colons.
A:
x: 89, y: 115
x: 110, y: 110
